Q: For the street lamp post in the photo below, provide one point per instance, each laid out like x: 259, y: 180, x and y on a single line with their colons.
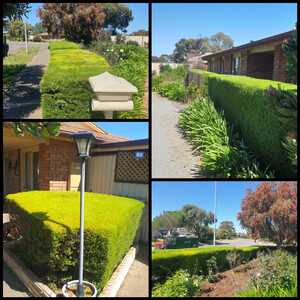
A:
x: 83, y: 142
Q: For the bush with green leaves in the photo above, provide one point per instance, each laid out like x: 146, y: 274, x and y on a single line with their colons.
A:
x: 134, y: 68
x: 223, y: 155
x: 241, y: 98
x: 165, y: 263
x: 49, y: 222
x: 65, y: 88
x: 62, y: 45
x: 277, y: 276
x: 181, y: 284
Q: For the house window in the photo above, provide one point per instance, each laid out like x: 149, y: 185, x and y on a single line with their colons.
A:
x: 31, y: 171
x: 236, y: 65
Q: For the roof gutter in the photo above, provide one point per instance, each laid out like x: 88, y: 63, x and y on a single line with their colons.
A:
x: 278, y: 37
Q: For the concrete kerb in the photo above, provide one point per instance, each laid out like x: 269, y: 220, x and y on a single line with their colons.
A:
x: 38, y: 289
x: 30, y: 280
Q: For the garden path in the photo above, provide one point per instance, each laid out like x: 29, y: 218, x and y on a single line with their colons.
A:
x: 136, y: 282
x: 172, y: 155
x: 21, y: 100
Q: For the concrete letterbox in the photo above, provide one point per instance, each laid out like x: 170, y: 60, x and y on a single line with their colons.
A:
x: 113, y: 94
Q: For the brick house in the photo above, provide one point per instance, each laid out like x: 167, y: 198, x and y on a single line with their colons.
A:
x: 261, y: 59
x: 114, y: 168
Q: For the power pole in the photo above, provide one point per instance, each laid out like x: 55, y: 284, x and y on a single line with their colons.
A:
x: 215, y: 213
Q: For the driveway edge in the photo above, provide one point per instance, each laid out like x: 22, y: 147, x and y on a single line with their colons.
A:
x: 39, y: 289
x: 113, y: 285
x: 30, y: 280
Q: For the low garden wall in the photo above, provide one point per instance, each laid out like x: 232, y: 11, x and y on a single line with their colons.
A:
x: 49, y: 223
x: 241, y: 98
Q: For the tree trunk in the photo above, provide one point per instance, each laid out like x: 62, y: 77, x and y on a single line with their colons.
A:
x: 278, y: 244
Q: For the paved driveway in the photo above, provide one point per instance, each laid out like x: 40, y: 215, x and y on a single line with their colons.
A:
x: 237, y: 243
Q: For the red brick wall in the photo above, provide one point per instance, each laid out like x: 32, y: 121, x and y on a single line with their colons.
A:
x: 244, y: 65
x: 260, y: 65
x: 14, y: 173
x: 55, y: 160
x: 279, y: 73
x: 227, y: 64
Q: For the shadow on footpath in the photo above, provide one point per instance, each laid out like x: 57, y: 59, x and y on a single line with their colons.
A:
x: 23, y: 95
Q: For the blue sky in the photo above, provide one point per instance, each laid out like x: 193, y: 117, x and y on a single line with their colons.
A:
x: 172, y: 195
x: 130, y: 130
x: 139, y: 12
x: 241, y: 21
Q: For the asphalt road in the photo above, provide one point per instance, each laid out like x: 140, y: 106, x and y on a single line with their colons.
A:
x: 15, y: 46
x: 238, y: 243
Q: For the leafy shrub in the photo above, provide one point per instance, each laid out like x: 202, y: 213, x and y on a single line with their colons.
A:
x: 36, y: 39
x: 173, y: 90
x: 62, y: 45
x: 66, y: 91
x: 49, y: 223
x: 277, y: 278
x: 222, y: 154
x: 134, y: 68
x: 277, y: 268
x: 182, y: 284
x: 167, y: 262
x: 241, y: 98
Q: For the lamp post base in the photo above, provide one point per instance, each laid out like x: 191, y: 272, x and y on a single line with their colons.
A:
x: 72, y: 289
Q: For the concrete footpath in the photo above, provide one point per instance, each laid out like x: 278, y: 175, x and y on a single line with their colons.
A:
x: 12, y: 286
x: 136, y: 282
x: 21, y: 100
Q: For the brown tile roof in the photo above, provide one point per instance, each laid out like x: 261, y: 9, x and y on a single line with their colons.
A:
x: 101, y: 135
x: 270, y: 39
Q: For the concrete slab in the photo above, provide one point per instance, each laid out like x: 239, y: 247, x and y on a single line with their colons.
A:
x: 12, y: 286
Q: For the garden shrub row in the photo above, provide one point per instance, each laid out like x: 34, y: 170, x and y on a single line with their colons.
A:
x: 223, y: 154
x: 166, y: 262
x: 49, y: 223
x: 134, y: 68
x: 62, y: 45
x: 241, y: 98
x: 66, y: 91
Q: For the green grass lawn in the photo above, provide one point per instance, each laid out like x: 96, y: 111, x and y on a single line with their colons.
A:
x: 15, y: 63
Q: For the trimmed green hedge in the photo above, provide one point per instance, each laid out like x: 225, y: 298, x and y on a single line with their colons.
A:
x: 66, y: 91
x: 241, y: 98
x: 50, y: 221
x: 63, y: 45
x: 167, y: 262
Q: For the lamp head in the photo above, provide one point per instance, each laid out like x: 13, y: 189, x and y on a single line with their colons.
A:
x: 83, y: 142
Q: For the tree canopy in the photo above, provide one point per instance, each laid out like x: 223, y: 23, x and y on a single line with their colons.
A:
x: 75, y: 21
x: 197, y: 218
x: 271, y: 212
x: 117, y: 17
x: 202, y: 45
x: 170, y: 220
x: 15, y: 10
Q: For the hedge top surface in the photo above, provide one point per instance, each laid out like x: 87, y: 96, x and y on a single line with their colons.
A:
x: 61, y: 210
x: 63, y: 45
x: 77, y: 61
x: 249, y: 81
x: 167, y: 253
